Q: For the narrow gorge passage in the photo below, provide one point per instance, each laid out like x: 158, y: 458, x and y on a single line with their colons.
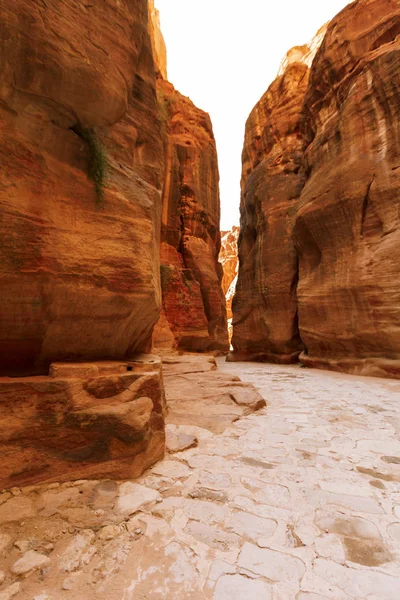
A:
x: 298, y: 501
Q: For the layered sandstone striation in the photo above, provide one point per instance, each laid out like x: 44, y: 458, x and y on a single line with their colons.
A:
x: 347, y: 230
x: 85, y: 420
x: 82, y: 167
x: 78, y: 273
x: 194, y: 312
x: 320, y: 236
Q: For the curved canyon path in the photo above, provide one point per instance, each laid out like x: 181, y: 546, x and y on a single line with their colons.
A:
x: 299, y: 500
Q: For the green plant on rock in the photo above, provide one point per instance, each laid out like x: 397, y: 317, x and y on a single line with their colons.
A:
x: 167, y: 275
x: 97, y: 160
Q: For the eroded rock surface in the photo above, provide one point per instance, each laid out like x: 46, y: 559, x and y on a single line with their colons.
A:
x: 79, y: 276
x: 194, y: 312
x: 84, y: 420
x: 281, y: 505
x: 320, y: 229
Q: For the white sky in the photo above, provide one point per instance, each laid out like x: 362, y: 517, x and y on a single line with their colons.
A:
x: 223, y: 54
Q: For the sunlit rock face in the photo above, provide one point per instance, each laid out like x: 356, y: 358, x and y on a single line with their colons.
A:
x: 194, y: 312
x: 79, y: 275
x: 265, y: 307
x: 347, y: 229
x: 320, y: 241
x: 157, y: 40
x: 229, y: 260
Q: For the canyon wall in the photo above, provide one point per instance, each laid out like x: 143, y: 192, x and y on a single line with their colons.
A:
x: 265, y: 307
x: 194, y: 311
x: 347, y: 230
x: 320, y: 235
x: 80, y: 194
x: 82, y: 168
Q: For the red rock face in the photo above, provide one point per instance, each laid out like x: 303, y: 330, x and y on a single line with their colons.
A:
x: 78, y: 273
x: 193, y: 301
x: 332, y: 206
x: 347, y: 230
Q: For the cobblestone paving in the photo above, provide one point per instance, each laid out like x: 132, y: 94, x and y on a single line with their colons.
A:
x: 300, y: 500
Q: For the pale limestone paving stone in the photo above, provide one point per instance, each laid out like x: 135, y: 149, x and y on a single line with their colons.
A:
x: 250, y: 526
x: 78, y: 552
x: 212, y: 537
x: 11, y: 591
x: 275, y: 566
x: 171, y: 468
x: 237, y: 587
x: 220, y: 567
x: 285, y: 591
x: 361, y: 583
x: 132, y: 497
x: 329, y: 546
x: 178, y: 439
x: 205, y: 512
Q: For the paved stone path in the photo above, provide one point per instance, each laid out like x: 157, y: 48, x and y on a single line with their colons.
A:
x: 300, y: 500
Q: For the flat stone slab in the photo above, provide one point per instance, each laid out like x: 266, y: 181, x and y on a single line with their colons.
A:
x: 237, y: 587
x: 178, y: 439
x: 132, y: 497
x: 30, y: 561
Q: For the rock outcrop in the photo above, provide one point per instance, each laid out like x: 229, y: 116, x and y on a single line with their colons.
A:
x: 85, y: 420
x: 80, y: 183
x: 194, y: 312
x: 320, y: 229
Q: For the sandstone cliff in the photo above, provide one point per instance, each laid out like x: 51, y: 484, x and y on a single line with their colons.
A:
x: 320, y: 237
x: 347, y: 230
x: 82, y: 166
x: 81, y: 177
x: 265, y: 307
x: 194, y: 312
